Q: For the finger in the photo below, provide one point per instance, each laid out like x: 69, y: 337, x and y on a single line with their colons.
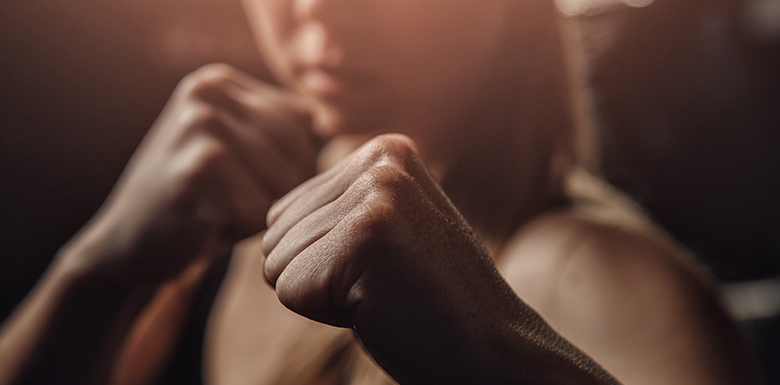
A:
x: 385, y: 182
x: 320, y: 282
x: 324, y: 188
x: 286, y: 116
x: 288, y: 124
x: 259, y: 154
x: 290, y: 113
x: 282, y: 204
x: 305, y: 199
x: 307, y: 231
x: 217, y: 85
x: 359, y: 160
x: 254, y: 86
x: 235, y: 202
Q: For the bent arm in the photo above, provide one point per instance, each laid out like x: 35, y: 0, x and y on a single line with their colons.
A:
x: 470, y: 335
x: 203, y: 178
x: 373, y: 244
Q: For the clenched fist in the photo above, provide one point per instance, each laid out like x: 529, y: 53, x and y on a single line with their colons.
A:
x: 224, y: 148
x: 374, y: 244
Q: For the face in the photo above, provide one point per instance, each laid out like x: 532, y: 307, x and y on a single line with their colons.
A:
x: 377, y: 65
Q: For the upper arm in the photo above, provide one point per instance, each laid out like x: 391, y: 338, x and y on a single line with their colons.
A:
x: 632, y: 301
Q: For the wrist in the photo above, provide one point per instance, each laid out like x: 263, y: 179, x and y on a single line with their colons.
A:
x: 93, y: 258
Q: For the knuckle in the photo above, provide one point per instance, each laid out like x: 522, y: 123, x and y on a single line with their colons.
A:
x: 373, y: 219
x: 215, y: 72
x: 198, y: 120
x: 377, y: 210
x: 205, y: 154
x: 207, y: 80
x: 392, y: 148
x: 217, y: 68
x: 384, y: 178
x: 203, y: 116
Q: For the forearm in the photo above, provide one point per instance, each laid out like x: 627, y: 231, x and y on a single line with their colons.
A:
x: 468, y: 336
x: 374, y: 244
x: 520, y: 347
x: 70, y: 326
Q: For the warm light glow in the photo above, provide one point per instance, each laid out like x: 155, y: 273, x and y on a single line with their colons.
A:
x: 763, y: 19
x: 579, y: 7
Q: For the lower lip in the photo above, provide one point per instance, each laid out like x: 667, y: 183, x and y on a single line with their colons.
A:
x: 321, y: 83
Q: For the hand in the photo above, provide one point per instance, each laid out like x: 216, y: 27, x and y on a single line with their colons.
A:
x: 376, y: 214
x: 223, y: 149
x: 375, y: 244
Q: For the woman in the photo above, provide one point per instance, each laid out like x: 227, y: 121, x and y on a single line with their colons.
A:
x: 401, y: 241
x: 483, y: 90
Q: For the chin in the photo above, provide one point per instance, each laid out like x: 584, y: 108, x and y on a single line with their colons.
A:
x: 326, y: 123
x: 330, y: 121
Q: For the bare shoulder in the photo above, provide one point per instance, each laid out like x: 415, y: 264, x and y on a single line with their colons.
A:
x: 629, y: 297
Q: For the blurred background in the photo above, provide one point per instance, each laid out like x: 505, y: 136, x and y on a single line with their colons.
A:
x: 687, y: 94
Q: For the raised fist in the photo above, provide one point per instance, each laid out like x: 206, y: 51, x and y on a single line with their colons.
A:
x: 223, y: 149
x: 375, y: 240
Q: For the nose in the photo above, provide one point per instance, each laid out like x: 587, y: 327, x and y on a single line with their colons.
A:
x: 306, y: 9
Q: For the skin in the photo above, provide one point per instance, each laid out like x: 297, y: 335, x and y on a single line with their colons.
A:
x: 629, y: 298
x: 224, y: 147
x: 376, y: 235
x: 376, y: 79
x: 375, y: 245
x: 382, y: 242
x: 390, y: 250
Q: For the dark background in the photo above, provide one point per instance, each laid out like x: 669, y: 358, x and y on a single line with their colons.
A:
x: 80, y: 83
x: 688, y: 92
x: 688, y: 95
